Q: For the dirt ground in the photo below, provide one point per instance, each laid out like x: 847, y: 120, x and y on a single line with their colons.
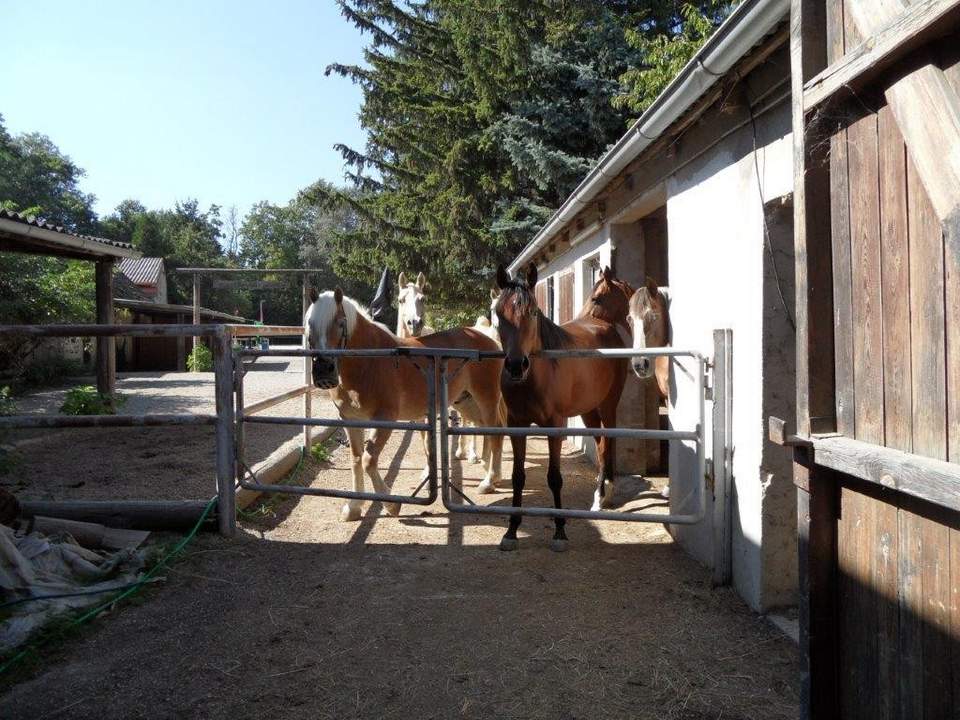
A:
x: 421, y: 616
x: 159, y: 463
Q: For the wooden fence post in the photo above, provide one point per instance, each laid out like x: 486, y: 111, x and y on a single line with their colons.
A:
x: 106, y: 346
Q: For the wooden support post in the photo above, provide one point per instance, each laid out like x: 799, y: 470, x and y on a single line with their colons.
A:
x: 106, y: 346
x: 817, y: 510
x: 196, y: 307
x: 226, y: 458
x: 307, y: 369
x: 181, y: 346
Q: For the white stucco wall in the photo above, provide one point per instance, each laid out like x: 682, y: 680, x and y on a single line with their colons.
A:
x: 716, y: 246
x: 716, y: 265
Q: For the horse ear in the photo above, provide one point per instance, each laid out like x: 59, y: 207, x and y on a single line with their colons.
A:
x: 608, y: 274
x: 652, y: 286
x: 338, y: 295
x: 313, y: 295
x: 532, y: 276
x: 402, y: 281
x: 421, y: 281
x: 494, y: 294
x: 503, y: 279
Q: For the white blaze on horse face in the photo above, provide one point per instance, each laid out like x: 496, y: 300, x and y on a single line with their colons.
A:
x: 642, y: 366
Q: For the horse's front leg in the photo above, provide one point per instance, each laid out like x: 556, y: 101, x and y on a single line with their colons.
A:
x: 555, y: 482
x: 519, y: 476
x: 351, y: 510
x: 493, y: 450
x: 371, y: 455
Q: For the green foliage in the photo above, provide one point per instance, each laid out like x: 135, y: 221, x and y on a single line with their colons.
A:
x: 46, y: 372
x: 320, y: 452
x: 482, y: 117
x: 200, y: 359
x: 665, y: 54
x: 85, y: 400
x: 8, y: 406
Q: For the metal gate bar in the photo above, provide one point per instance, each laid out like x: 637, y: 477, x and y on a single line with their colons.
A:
x: 430, y: 427
x: 446, y: 432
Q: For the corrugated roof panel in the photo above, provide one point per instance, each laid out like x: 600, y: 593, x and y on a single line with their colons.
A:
x: 142, y: 271
x: 35, y: 222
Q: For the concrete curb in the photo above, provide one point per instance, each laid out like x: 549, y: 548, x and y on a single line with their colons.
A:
x: 278, y: 465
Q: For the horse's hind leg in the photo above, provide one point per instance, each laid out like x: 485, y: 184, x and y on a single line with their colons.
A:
x: 555, y: 482
x: 600, y: 499
x: 519, y: 477
x: 371, y: 454
x: 351, y: 509
x: 492, y: 417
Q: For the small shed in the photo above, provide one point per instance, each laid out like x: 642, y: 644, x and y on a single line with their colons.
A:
x: 697, y: 196
x: 27, y: 234
x: 161, y: 353
x: 148, y: 274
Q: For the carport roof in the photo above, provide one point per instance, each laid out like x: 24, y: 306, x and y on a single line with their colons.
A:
x: 28, y: 234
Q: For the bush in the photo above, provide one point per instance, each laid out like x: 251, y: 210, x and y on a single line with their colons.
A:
x: 85, y: 400
x: 7, y: 407
x: 200, y: 359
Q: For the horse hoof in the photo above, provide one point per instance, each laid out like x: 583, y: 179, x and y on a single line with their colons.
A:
x: 595, y: 507
x: 486, y: 487
x: 349, y: 514
x: 509, y: 544
x: 392, y: 508
x: 558, y: 545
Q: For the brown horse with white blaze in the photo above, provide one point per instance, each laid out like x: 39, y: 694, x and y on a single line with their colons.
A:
x: 388, y: 388
x: 546, y: 392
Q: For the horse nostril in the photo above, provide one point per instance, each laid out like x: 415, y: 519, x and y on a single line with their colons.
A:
x: 525, y: 363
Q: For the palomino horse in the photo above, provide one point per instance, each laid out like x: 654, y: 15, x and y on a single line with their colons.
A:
x: 373, y: 388
x: 547, y: 391
x: 410, y: 322
x: 650, y: 325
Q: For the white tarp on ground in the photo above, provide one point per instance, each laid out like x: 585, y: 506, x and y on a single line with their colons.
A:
x: 34, y: 565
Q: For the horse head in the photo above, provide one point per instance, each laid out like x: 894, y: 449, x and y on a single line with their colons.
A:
x: 411, y: 298
x: 610, y: 299
x: 328, y: 323
x: 515, y: 315
x: 650, y: 324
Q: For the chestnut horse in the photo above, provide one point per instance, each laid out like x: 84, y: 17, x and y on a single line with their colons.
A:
x: 546, y: 391
x: 650, y: 326
x: 372, y: 388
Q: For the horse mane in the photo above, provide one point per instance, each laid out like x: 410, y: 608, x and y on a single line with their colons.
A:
x: 552, y: 336
x: 324, y: 308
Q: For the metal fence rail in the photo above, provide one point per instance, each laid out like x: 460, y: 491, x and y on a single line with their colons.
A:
x: 697, y: 435
x: 222, y: 420
x: 244, y: 415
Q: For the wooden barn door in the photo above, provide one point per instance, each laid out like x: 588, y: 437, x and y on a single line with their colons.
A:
x: 876, y: 96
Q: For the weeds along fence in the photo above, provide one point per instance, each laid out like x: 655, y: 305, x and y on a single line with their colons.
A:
x: 163, y: 513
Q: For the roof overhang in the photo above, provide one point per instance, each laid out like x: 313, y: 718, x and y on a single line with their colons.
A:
x: 747, y: 26
x: 151, y: 308
x: 23, y: 237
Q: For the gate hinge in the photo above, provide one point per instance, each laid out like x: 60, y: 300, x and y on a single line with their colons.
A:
x: 708, y: 382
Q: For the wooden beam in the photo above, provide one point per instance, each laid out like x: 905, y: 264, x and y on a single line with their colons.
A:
x: 181, y: 346
x: 87, y: 421
x: 914, y: 27
x: 927, y: 110
x: 814, y: 261
x: 196, y: 307
x: 145, y: 515
x: 106, y: 346
x: 935, y: 481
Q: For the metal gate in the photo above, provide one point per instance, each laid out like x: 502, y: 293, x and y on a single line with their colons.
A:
x: 434, y: 363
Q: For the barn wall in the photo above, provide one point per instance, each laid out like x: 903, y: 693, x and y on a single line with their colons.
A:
x: 715, y: 217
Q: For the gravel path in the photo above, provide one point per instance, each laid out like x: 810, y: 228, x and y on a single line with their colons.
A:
x: 303, y: 616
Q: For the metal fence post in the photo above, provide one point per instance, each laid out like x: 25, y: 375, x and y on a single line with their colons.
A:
x: 307, y: 368
x: 722, y: 470
x: 226, y: 459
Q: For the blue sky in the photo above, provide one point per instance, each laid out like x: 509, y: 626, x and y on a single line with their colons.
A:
x: 225, y: 101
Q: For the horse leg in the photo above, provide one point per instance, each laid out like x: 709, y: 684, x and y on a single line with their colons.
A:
x: 492, y: 417
x: 472, y: 456
x: 371, y: 454
x: 592, y: 420
x: 351, y: 509
x: 518, y: 477
x: 608, y: 419
x: 555, y: 482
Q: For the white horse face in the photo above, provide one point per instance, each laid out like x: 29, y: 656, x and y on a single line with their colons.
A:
x: 648, y: 324
x: 326, y: 325
x: 411, y: 299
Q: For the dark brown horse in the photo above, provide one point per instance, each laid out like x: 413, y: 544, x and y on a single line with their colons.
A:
x: 548, y: 391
